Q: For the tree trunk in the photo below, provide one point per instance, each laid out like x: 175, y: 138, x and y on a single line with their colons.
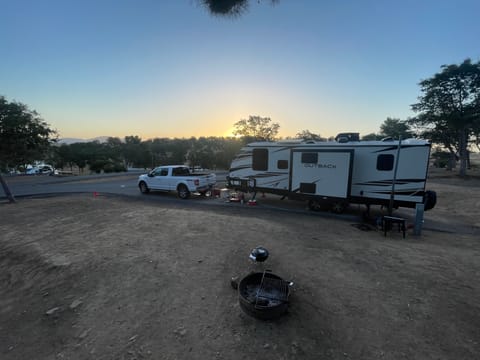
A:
x: 463, y: 152
x: 451, y: 163
x: 6, y: 189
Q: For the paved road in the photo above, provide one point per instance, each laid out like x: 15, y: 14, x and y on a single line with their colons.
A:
x: 126, y: 184
x: 121, y: 183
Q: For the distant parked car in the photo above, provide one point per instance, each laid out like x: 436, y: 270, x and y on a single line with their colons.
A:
x: 32, y: 171
x: 41, y: 169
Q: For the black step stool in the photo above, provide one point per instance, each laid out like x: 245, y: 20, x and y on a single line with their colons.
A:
x: 388, y: 221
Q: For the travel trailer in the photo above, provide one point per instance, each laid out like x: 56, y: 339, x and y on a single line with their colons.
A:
x: 337, y: 173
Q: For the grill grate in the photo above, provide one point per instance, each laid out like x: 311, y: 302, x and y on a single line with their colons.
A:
x: 271, y: 291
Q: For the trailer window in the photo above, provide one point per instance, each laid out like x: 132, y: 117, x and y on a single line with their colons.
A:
x: 282, y: 164
x: 385, y: 162
x: 310, y: 158
x: 260, y: 159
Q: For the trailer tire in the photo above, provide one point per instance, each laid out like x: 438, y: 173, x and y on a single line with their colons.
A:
x: 429, y: 199
x: 314, y: 205
x: 183, y: 192
x: 338, y: 207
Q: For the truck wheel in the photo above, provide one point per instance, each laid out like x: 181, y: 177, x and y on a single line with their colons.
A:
x: 183, y: 192
x: 143, y: 188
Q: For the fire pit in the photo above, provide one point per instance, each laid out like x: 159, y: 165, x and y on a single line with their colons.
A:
x: 263, y: 295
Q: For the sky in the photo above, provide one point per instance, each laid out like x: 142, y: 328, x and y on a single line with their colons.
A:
x: 167, y: 68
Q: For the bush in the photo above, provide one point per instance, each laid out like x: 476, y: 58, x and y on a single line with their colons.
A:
x: 441, y: 159
x: 108, y: 168
x: 119, y: 167
x: 97, y: 166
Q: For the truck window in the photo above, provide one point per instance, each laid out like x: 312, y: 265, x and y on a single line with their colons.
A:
x: 385, y: 162
x: 181, y: 171
x: 260, y: 159
x: 160, y: 172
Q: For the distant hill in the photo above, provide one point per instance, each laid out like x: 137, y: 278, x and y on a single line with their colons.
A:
x: 69, y: 141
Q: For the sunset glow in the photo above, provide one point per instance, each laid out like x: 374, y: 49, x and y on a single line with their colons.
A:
x: 169, y: 69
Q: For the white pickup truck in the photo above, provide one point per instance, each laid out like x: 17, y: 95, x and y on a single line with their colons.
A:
x: 176, y: 178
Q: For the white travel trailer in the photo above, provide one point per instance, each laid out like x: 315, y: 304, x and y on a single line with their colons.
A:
x: 337, y: 173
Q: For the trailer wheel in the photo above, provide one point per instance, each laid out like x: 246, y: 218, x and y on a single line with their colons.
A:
x: 429, y: 199
x: 183, y: 192
x: 314, y: 205
x: 338, y: 207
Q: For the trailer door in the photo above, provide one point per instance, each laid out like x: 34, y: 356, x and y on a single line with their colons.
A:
x: 320, y: 172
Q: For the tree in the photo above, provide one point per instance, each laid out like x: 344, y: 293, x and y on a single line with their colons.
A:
x: 65, y: 156
x: 449, y: 108
x: 307, y: 135
x: 256, y: 128
x: 79, y: 154
x: 24, y: 137
x: 114, y: 150
x: 177, y: 150
x: 114, y: 147
x: 137, y: 152
x: 371, y: 136
x: 158, y: 151
x: 230, y: 148
x: 228, y: 8
x: 395, y: 128
x: 391, y: 128
x: 202, y: 152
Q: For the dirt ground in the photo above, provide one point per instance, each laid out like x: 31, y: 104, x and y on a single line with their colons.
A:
x: 107, y: 277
